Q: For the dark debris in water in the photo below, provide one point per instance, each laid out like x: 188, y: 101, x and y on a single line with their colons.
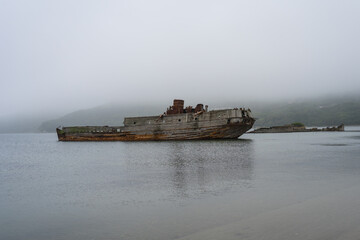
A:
x: 354, y: 137
x: 332, y: 144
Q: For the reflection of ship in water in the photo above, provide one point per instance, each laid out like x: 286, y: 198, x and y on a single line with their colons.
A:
x: 184, y: 169
x: 210, y: 167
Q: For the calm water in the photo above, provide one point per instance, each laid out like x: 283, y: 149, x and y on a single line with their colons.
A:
x: 265, y: 186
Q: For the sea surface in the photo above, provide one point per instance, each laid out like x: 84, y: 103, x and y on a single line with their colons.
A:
x: 261, y: 186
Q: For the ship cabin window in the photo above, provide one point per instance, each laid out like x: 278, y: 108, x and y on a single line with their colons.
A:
x: 179, y: 120
x: 196, y: 119
x: 134, y: 122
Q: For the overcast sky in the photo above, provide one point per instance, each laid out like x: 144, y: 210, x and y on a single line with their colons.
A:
x: 78, y: 54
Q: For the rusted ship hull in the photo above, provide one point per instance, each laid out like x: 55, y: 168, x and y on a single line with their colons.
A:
x: 229, y: 131
x: 203, y: 124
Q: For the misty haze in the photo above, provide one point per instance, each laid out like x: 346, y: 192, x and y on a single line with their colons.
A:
x: 89, y: 71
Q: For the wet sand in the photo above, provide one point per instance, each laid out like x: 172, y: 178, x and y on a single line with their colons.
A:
x: 332, y: 216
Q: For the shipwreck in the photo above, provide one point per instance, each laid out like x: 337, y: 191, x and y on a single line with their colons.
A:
x: 296, y: 127
x: 177, y: 123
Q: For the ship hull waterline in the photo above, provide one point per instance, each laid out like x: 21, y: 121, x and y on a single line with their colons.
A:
x: 228, y: 131
x: 225, y: 132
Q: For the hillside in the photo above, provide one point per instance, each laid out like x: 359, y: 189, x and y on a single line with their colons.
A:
x: 319, y: 112
x: 111, y: 115
x: 310, y: 113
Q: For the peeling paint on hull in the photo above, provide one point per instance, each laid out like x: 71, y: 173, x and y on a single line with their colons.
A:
x: 232, y: 131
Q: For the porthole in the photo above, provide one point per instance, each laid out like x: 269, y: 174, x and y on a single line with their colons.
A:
x: 134, y: 122
x: 179, y: 120
x: 196, y: 119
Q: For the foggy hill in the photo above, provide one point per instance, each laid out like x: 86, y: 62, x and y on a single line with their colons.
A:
x: 110, y: 114
x: 23, y: 124
x: 315, y: 112
x: 311, y: 113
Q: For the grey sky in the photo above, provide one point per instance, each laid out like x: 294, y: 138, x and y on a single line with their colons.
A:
x: 77, y: 54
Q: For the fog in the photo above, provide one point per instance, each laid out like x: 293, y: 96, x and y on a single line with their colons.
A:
x: 61, y: 56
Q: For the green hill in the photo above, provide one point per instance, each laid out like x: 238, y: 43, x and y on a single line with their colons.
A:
x: 318, y: 112
x: 314, y: 113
